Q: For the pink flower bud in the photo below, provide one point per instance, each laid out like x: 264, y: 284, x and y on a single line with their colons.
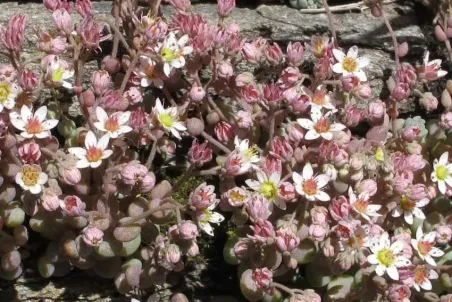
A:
x: 237, y: 164
x: 197, y: 94
x: 350, y: 83
x: 138, y: 118
x: 84, y: 7
x: 258, y: 207
x: 12, y: 38
x: 133, y: 95
x: 295, y: 54
x: 295, y: 132
x: 63, y: 21
x: 30, y: 153
x: 224, y: 7
x: 289, y: 77
x: 72, y: 206
x: 244, y: 79
x: 188, y: 230
x: 181, y: 5
x: 446, y: 120
x: 90, y: 32
x: 402, y: 49
x: 282, y: 148
x: 443, y: 234
x: 401, y: 92
x: 262, y: 230
x: 364, y: 91
x: 51, y: 4
x: 172, y: 253
x: 70, y: 175
x: 440, y: 34
x: 113, y: 101
x: 92, y: 236
x: 49, y: 200
x: 251, y: 53
x: 273, y: 54
x: 147, y: 183
x: 156, y: 30
x: 250, y: 94
x: 271, y: 164
x: 132, y: 173
x: 8, y: 73
x: 319, y: 215
x: 193, y: 249
x: 317, y: 232
x: 399, y: 293
x: 199, y: 154
x: 411, y: 133
x: 272, y: 93
x: 244, y: 119
x: 236, y: 196
x: 428, y: 101
x: 353, y: 116
x: 225, y: 70
x: 203, y: 197
x: 224, y: 132
x: 286, y: 191
x: 101, y: 82
x: 286, y: 240
x: 112, y: 65
x: 376, y: 112
x: 263, y: 277
x: 339, y: 208
x: 367, y: 185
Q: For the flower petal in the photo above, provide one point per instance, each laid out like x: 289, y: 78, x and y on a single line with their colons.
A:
x: 41, y: 113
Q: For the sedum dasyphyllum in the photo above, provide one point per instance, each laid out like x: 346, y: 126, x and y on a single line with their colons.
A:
x: 307, y: 200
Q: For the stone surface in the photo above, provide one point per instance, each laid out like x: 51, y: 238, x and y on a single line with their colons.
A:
x: 278, y: 23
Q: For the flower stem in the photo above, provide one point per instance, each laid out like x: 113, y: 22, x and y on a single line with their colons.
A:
x: 166, y: 206
x: 393, y: 36
x: 151, y: 155
x: 216, y: 143
x: 128, y: 73
x: 330, y: 21
x: 116, y: 8
x: 283, y: 288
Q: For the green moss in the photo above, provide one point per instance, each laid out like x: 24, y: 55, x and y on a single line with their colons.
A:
x: 181, y: 196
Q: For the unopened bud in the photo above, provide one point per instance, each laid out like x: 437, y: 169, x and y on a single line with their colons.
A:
x: 402, y: 49
x: 213, y: 118
x: 195, y: 126
x: 440, y: 34
x: 446, y: 100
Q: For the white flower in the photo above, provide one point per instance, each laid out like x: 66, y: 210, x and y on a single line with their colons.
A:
x: 31, y: 178
x: 350, y: 63
x: 430, y: 70
x: 309, y: 186
x: 442, y: 172
x: 94, y: 151
x: 33, y: 125
x: 8, y: 94
x: 244, y: 148
x: 206, y: 217
x: 362, y: 205
x: 409, y: 208
x: 267, y: 187
x: 319, y: 126
x: 424, y: 245
x: 387, y: 256
x: 321, y: 99
x: 169, y: 118
x: 421, y: 277
x: 147, y: 73
x: 173, y: 51
x: 58, y: 72
x: 114, y: 124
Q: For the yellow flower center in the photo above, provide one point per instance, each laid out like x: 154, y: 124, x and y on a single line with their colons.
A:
x: 4, y: 92
x: 57, y: 75
x: 407, y: 204
x: 349, y: 64
x: 379, y: 154
x: 236, y: 197
x: 166, y: 120
x: 268, y: 189
x: 319, y: 98
x: 441, y: 172
x: 93, y: 154
x: 386, y: 257
x: 30, y: 176
x: 169, y: 54
x: 322, y: 126
x: 33, y: 126
x: 250, y: 152
x: 310, y: 187
x: 111, y: 124
x: 420, y: 274
x: 424, y: 247
x: 361, y: 205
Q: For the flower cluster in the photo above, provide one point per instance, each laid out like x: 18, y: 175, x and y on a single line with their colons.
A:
x: 112, y: 180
